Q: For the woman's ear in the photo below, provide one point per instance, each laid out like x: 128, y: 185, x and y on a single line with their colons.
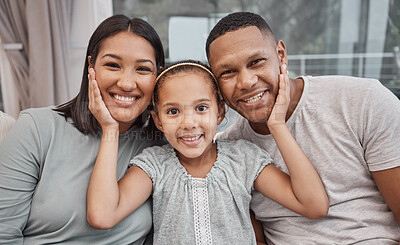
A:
x: 281, y: 51
x: 221, y: 112
x: 156, y: 120
x: 89, y: 64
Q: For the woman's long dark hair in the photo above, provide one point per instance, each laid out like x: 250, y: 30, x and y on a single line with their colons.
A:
x: 77, y: 109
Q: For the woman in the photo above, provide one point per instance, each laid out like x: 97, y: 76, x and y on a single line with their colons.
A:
x: 47, y: 158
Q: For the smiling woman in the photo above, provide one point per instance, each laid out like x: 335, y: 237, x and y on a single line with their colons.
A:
x: 125, y: 79
x: 47, y: 158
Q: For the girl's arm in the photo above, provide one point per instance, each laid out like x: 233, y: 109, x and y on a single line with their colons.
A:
x: 302, y: 191
x: 110, y: 201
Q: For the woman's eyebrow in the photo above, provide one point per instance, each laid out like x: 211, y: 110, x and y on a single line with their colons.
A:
x: 112, y: 56
x: 144, y: 61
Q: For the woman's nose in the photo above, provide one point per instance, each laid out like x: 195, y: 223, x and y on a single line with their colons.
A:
x: 128, y: 81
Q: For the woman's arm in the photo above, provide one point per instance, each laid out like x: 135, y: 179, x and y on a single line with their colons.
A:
x: 302, y: 191
x: 20, y: 163
x: 110, y: 201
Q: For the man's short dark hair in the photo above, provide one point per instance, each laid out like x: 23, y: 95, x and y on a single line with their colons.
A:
x: 236, y: 21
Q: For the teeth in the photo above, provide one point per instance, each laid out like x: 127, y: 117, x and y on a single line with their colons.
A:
x: 254, y: 98
x: 123, y: 98
x: 191, y: 138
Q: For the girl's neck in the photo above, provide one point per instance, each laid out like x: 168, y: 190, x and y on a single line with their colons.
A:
x: 199, y: 167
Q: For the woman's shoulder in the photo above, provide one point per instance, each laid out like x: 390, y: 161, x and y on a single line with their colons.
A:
x: 41, y: 114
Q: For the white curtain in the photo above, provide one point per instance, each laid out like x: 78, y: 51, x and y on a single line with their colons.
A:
x: 13, y: 30
x: 40, y: 69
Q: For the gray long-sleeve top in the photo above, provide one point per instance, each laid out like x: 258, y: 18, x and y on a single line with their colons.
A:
x: 45, y: 168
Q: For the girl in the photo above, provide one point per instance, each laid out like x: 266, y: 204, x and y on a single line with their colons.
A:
x: 201, y: 189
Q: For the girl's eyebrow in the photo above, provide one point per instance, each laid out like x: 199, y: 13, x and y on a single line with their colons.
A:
x: 195, y: 102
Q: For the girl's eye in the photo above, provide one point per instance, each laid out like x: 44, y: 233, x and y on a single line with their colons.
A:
x: 113, y: 65
x: 202, y: 108
x: 173, y: 111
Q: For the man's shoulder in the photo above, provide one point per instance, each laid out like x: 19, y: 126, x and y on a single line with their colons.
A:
x: 342, y: 81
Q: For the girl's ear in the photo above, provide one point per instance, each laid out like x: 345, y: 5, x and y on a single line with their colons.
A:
x: 221, y: 112
x: 156, y: 120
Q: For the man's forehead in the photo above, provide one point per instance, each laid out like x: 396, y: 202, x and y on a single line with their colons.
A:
x: 243, y: 42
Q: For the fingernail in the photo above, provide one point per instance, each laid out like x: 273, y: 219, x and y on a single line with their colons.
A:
x: 284, y: 66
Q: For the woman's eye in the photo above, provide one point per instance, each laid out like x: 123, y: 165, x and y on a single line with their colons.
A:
x: 173, y: 111
x: 113, y: 65
x: 202, y: 108
x: 144, y: 69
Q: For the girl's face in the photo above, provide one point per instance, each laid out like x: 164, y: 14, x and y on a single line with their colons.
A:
x: 125, y: 71
x: 188, y: 113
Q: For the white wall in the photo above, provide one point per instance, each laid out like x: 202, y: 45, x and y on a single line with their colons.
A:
x: 87, y: 15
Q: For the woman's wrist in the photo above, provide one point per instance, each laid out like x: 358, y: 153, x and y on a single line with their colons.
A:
x: 110, y: 133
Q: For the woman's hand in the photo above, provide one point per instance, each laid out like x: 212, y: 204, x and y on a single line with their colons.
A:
x: 279, y: 111
x: 97, y: 105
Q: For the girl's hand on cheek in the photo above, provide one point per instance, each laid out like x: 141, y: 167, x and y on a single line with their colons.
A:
x: 97, y: 105
x: 279, y: 111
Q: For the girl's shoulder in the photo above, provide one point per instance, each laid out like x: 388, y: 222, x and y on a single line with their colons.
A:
x: 241, y: 151
x: 155, y: 154
x: 238, y: 146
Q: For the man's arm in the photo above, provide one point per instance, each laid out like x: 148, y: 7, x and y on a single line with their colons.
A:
x: 258, y: 229
x: 388, y: 182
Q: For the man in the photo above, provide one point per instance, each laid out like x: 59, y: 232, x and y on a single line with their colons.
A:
x: 348, y: 127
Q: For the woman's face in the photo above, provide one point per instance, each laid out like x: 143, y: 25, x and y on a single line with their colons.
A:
x: 125, y: 71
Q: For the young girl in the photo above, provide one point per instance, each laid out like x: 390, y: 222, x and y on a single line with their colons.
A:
x: 201, y: 189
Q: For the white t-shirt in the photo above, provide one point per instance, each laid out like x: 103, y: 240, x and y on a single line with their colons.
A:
x: 210, y: 210
x: 347, y: 127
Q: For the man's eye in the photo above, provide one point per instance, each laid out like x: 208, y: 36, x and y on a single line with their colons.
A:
x: 225, y: 73
x: 173, y: 111
x: 202, y: 108
x: 256, y: 61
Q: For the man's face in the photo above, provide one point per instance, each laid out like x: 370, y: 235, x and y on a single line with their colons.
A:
x: 246, y: 63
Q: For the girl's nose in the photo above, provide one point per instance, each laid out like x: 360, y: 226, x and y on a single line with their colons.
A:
x: 190, y: 119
